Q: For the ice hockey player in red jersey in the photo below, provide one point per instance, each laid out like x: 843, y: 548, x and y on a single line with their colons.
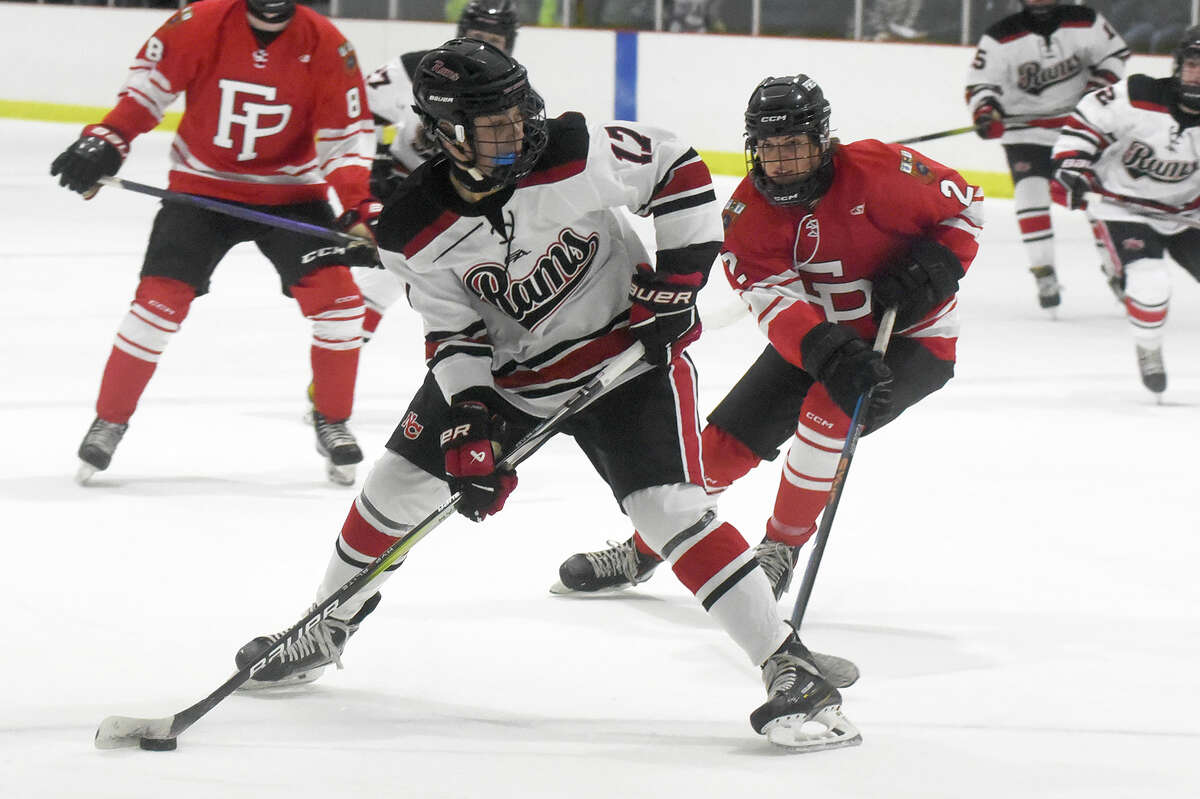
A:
x: 276, y: 115
x: 529, y: 281
x: 1029, y: 71
x: 1137, y: 144
x: 820, y: 238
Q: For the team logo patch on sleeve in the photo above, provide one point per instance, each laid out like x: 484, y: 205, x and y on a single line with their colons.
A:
x: 909, y: 165
x: 733, y: 209
x: 349, y: 59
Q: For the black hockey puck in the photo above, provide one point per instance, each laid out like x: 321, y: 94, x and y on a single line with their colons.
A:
x: 157, y: 744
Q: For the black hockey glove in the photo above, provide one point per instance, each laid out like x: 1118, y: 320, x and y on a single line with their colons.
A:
x: 917, y: 283
x: 847, y: 367
x: 98, y: 152
x: 989, y: 120
x: 1076, y: 177
x: 470, y: 446
x: 663, y: 316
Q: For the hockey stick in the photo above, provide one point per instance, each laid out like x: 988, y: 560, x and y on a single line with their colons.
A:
x: 839, y: 478
x: 1013, y: 120
x: 1141, y: 208
x: 160, y: 734
x: 238, y: 211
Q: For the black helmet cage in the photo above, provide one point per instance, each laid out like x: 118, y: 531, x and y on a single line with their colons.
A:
x: 493, y: 16
x: 272, y: 10
x: 1189, y: 45
x: 788, y: 106
x: 464, y: 79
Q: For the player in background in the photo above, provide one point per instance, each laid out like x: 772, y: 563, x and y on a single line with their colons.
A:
x: 820, y: 238
x: 529, y: 281
x: 1035, y: 65
x: 276, y: 115
x: 1139, y: 142
x: 390, y: 98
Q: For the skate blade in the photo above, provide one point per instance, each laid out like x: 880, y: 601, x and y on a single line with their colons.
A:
x: 84, y: 473
x: 558, y: 589
x: 826, y: 729
x: 116, y: 732
x: 342, y: 475
x: 302, y: 678
x: 839, y: 672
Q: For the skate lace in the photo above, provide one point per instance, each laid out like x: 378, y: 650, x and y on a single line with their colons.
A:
x: 619, y: 558
x: 776, y: 560
x: 1150, y: 362
x: 318, y: 639
x: 1047, y: 280
x: 334, y: 434
x: 781, y: 673
x: 105, y: 435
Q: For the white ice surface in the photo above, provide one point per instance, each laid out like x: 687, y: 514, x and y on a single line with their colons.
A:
x: 1013, y: 565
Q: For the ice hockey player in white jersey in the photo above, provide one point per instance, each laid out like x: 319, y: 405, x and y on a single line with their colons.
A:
x: 530, y: 280
x: 1138, y: 145
x: 1029, y: 71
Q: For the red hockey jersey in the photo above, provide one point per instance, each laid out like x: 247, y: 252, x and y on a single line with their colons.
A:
x: 268, y: 125
x: 797, y: 267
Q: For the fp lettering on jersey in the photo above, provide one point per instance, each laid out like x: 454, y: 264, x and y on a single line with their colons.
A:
x: 249, y: 116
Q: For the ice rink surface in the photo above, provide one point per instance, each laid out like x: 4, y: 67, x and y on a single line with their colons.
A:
x: 1013, y: 565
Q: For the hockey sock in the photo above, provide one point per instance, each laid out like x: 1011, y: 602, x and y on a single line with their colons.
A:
x: 1147, y: 297
x: 359, y: 543
x: 1032, y: 196
x: 808, y: 471
x: 330, y: 299
x: 714, y: 561
x: 159, y: 307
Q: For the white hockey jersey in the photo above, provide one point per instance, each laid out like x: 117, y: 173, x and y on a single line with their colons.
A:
x: 527, y: 292
x: 1037, y: 71
x: 1140, y: 147
x: 390, y: 98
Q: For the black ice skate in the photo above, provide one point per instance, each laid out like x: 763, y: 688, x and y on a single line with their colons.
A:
x: 1047, y: 287
x: 96, y: 449
x: 803, y: 711
x: 620, y: 566
x: 337, y: 444
x: 1154, y: 373
x: 301, y: 659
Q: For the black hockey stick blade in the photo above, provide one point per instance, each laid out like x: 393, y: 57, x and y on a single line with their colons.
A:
x: 941, y: 134
x: 116, y: 732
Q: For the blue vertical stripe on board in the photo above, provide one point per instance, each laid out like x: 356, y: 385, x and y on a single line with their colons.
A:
x: 625, y: 96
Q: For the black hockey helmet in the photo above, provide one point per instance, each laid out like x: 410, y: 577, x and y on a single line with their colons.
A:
x: 1189, y: 46
x: 789, y: 106
x: 1039, y: 11
x: 272, y: 10
x: 491, y: 16
x: 464, y: 79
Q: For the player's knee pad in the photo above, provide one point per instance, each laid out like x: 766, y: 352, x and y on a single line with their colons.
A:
x: 159, y: 307
x: 664, y: 513
x: 1031, y: 191
x: 725, y: 458
x: 1147, y: 281
x: 396, y: 495
x: 379, y: 287
x: 329, y: 297
x: 812, y: 458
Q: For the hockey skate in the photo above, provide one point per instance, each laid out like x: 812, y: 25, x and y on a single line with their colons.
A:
x: 303, y: 658
x: 1047, y: 287
x: 620, y: 566
x: 778, y: 561
x: 1154, y: 374
x: 337, y: 444
x: 96, y: 449
x: 803, y: 710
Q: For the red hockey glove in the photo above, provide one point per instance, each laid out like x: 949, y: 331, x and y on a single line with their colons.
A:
x: 470, y: 447
x: 1076, y: 177
x: 663, y: 316
x: 989, y: 120
x: 847, y: 367
x: 917, y: 283
x: 98, y: 152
